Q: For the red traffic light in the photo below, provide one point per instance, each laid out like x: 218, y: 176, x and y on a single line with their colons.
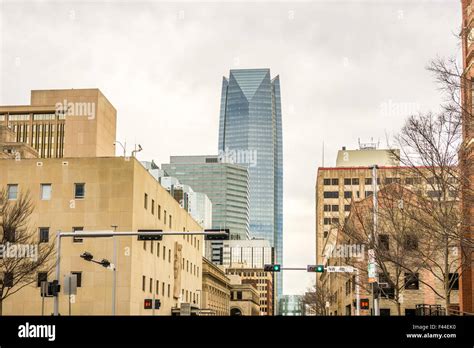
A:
x: 148, y: 303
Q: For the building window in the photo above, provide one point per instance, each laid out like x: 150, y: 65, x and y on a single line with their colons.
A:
x: 77, y: 239
x: 169, y: 290
x: 325, y: 234
x: 159, y: 212
x: 165, y: 218
x: 151, y: 285
x: 78, y: 278
x: 368, y: 181
x: 355, y: 181
x: 384, y: 242
x: 164, y: 252
x: 158, y: 250
x: 151, y: 246
x: 46, y: 192
x: 331, y: 194
x: 171, y: 221
x: 327, y: 181
x: 12, y: 192
x: 334, y: 207
x: 169, y: 255
x: 79, y: 190
x: 163, y: 288
x: 239, y: 295
x: 454, y: 281
x: 44, y: 234
x: 411, y: 281
x: 334, y: 181
x: 327, y: 207
x: 410, y: 243
x: 42, y: 277
x: 347, y: 207
x: 368, y: 193
x: 157, y: 287
x: 153, y: 207
x: 144, y: 245
x: 143, y: 283
x: 146, y: 201
x: 347, y: 194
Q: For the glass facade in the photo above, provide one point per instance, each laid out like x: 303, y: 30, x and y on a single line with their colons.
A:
x: 225, y: 184
x: 250, y: 124
x: 253, y: 253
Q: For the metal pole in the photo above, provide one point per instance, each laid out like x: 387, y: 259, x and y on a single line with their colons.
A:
x: 153, y: 286
x: 114, y: 274
x: 58, y: 260
x: 69, y: 295
x: 44, y: 287
x: 374, y: 236
x: 357, y: 293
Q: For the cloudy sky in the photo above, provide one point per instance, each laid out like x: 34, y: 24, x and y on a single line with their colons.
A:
x: 348, y: 69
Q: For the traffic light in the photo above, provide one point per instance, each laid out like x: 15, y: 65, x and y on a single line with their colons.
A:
x: 364, y: 303
x: 87, y: 256
x: 145, y: 237
x: 222, y: 235
x: 157, y: 304
x: 147, y: 303
x: 272, y: 268
x: 105, y: 263
x: 315, y: 268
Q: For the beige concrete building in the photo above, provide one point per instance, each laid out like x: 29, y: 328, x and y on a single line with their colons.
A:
x: 263, y: 283
x: 9, y: 148
x: 92, y: 194
x: 215, y: 289
x: 64, y: 123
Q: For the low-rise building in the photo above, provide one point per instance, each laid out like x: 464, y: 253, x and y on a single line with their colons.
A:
x: 215, y: 290
x: 244, y: 299
x: 94, y: 194
x: 262, y: 281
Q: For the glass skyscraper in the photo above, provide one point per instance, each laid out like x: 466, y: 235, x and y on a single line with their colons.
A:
x: 250, y: 133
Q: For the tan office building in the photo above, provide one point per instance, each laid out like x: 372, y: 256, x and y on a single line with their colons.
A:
x: 244, y: 298
x: 64, y: 123
x: 215, y: 290
x: 350, y: 181
x: 467, y: 152
x: 92, y: 194
x: 262, y: 281
x: 413, y: 291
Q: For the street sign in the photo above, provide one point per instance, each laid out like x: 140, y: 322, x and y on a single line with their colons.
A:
x: 372, y: 270
x: 340, y: 269
x: 44, y: 289
x: 70, y: 284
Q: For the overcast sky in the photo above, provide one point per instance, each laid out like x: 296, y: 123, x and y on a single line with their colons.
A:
x: 348, y: 70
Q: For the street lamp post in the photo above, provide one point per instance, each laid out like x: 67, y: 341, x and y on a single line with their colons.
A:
x: 114, y: 270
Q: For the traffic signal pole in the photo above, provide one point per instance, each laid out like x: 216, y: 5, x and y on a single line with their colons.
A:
x: 374, y: 239
x: 224, y: 234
